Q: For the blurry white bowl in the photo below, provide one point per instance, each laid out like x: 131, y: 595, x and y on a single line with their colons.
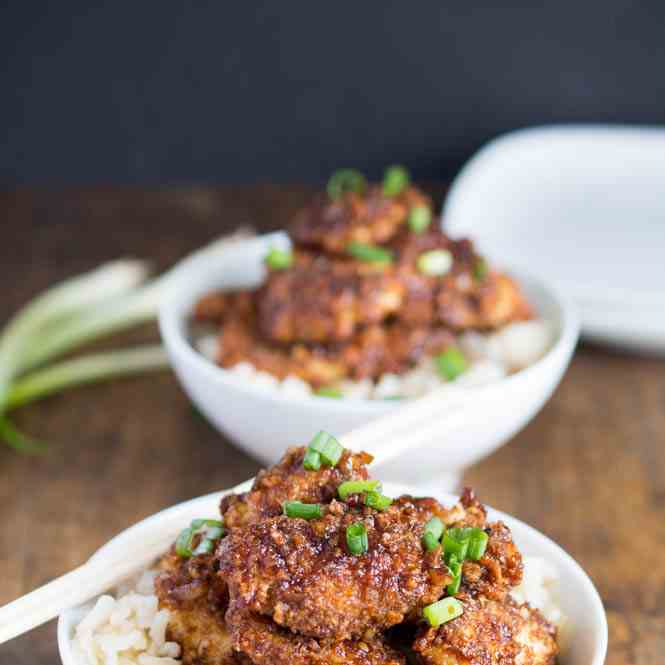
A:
x: 264, y: 422
x: 584, y: 206
x: 585, y: 640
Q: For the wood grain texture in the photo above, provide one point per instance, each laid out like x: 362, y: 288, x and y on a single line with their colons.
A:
x: 589, y: 471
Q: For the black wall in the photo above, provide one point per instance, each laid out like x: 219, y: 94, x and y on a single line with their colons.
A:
x: 244, y: 91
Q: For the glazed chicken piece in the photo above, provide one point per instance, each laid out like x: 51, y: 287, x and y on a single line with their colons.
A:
x: 301, y: 574
x: 373, y: 351
x: 266, y: 643
x: 218, y: 306
x: 288, y: 480
x: 321, y: 299
x: 371, y: 218
x: 197, y: 600
x: 490, y: 632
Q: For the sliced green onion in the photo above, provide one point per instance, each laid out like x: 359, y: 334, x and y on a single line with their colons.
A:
x: 451, y: 363
x: 349, y: 487
x: 455, y: 566
x: 435, y: 263
x: 378, y: 501
x: 454, y: 547
x: 305, y: 511
x: 443, y: 611
x: 370, y: 253
x: 356, y: 538
x: 279, y: 259
x: 21, y: 443
x: 420, y: 217
x: 395, y: 180
x: 206, y: 546
x: 329, y: 391
x: 480, y: 269
x: 477, y: 545
x: 328, y: 447
x: 432, y: 533
x: 346, y: 180
x: 209, y: 530
x: 183, y: 544
x: 312, y: 461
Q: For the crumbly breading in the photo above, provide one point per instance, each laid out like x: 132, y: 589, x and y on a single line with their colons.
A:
x: 302, y: 575
x: 288, y: 480
x: 490, y: 632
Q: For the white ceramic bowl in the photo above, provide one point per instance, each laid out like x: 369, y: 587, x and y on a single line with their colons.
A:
x: 586, y: 638
x: 584, y: 206
x: 265, y: 422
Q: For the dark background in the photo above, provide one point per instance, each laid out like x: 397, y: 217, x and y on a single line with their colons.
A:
x: 286, y: 91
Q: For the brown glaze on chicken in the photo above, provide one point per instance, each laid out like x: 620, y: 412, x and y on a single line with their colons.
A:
x: 288, y: 480
x: 279, y: 590
x: 490, y: 633
x: 302, y: 575
x: 372, y: 218
x: 332, y: 315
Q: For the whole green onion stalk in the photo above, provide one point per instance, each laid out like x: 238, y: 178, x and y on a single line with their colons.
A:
x: 82, y: 309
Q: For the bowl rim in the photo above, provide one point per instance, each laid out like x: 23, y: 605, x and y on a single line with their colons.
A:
x: 584, y: 584
x: 173, y: 326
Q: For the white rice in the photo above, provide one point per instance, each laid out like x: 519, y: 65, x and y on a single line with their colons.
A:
x: 128, y: 629
x: 491, y: 357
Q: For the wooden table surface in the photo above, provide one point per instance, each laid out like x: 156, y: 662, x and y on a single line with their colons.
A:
x: 589, y: 471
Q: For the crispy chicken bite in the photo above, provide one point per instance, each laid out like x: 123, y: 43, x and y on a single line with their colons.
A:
x: 197, y: 599
x: 490, y: 633
x: 288, y: 480
x: 373, y: 351
x: 266, y: 643
x: 302, y: 575
x: 371, y: 218
x: 321, y: 299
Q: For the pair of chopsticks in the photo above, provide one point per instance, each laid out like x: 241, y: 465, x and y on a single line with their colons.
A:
x: 405, y: 428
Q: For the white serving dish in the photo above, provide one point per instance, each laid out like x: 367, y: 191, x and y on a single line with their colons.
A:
x: 585, y: 641
x: 264, y: 423
x: 584, y: 207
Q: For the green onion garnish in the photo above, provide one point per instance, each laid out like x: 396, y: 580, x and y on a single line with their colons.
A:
x: 454, y: 547
x: 477, y: 544
x: 443, y: 611
x: 378, y: 501
x: 451, y: 363
x: 370, y: 253
x: 420, y: 218
x: 210, y: 531
x: 329, y: 391
x: 349, y: 487
x: 312, y: 461
x: 346, y: 180
x: 356, y: 538
x: 455, y: 566
x: 435, y: 263
x: 279, y: 259
x: 432, y: 534
x: 480, y: 269
x: 305, y: 511
x: 395, y: 179
x: 328, y: 447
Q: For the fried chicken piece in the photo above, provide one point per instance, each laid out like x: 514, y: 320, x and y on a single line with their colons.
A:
x: 371, y: 218
x: 302, y: 575
x: 373, y: 351
x: 288, y: 480
x: 490, y: 633
x: 197, y: 599
x: 266, y: 643
x: 321, y: 299
x: 217, y: 306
